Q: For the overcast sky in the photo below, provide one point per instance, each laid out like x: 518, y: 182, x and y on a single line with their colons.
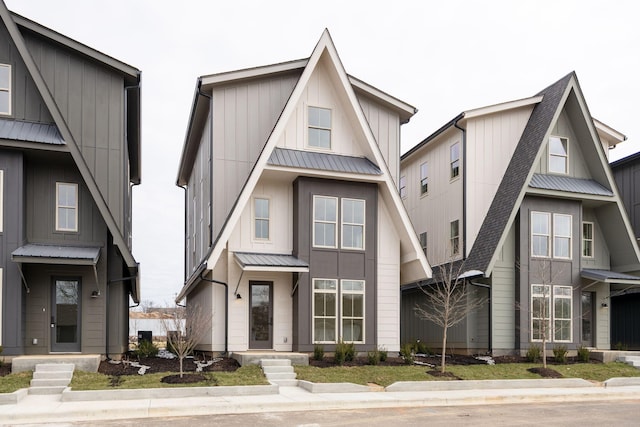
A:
x: 442, y: 57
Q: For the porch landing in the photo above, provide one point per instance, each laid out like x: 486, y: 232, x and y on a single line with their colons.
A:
x: 254, y: 357
x: 82, y: 362
x: 611, y: 355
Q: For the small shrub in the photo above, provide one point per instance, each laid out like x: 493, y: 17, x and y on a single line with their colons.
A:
x: 560, y: 353
x: 534, y: 354
x: 583, y: 354
x: 420, y: 347
x: 620, y: 346
x: 345, y: 352
x: 383, y: 353
x: 406, y: 352
x: 318, y: 352
x: 373, y: 357
x: 146, y: 349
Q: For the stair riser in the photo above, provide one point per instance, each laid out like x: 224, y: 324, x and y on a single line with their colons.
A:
x: 46, y: 390
x: 285, y: 383
x: 50, y: 383
x: 275, y: 362
x: 291, y: 376
x: 55, y: 367
x: 277, y: 369
x: 52, y: 375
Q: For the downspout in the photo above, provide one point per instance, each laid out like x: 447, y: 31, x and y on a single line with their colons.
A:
x: 226, y: 309
x: 464, y: 186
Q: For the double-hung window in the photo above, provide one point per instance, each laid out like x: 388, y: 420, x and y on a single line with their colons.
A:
x: 353, y: 223
x: 403, y: 186
x: 561, y: 236
x: 66, y: 206
x: 352, y: 310
x: 325, y: 309
x: 454, y: 239
x: 261, y: 218
x: 551, y: 308
x: 5, y: 89
x: 558, y: 155
x: 540, y: 312
x: 424, y: 179
x: 587, y: 239
x: 325, y: 217
x: 319, y: 120
x: 455, y: 160
x: 540, y: 234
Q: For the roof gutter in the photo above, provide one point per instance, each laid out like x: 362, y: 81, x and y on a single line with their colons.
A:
x: 431, y: 137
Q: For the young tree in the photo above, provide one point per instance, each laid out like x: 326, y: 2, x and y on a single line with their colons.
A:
x: 449, y: 301
x: 184, y: 333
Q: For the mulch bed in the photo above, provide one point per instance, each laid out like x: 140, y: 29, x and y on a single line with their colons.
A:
x: 158, y: 364
x: 5, y: 369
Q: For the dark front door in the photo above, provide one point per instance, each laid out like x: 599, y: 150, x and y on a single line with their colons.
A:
x: 588, y: 316
x: 65, y: 315
x: 261, y: 315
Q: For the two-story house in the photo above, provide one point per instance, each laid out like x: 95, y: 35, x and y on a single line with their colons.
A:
x: 69, y: 156
x: 295, y: 233
x: 522, y: 194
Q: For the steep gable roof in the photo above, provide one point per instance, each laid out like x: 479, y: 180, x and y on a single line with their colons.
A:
x: 412, y: 251
x: 520, y: 174
x: 70, y: 142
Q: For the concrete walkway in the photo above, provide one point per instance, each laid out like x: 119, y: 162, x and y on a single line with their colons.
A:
x: 33, y: 409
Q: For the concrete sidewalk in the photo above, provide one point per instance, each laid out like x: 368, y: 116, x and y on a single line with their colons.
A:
x: 52, y: 408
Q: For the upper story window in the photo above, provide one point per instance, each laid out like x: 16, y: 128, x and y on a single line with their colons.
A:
x: 455, y: 160
x: 319, y: 127
x: 353, y: 211
x: 587, y: 239
x: 66, y: 206
x: 325, y: 218
x: 424, y: 178
x: 423, y: 242
x: 540, y: 233
x: 403, y: 186
x: 261, y: 218
x: 5, y: 89
x: 558, y: 155
x: 454, y: 239
x: 561, y: 236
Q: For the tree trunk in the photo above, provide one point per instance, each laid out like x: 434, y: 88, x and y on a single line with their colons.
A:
x: 181, y: 373
x: 444, y: 346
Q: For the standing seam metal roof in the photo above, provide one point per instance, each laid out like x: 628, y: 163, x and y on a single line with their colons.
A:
x: 269, y: 260
x: 322, y: 161
x: 569, y: 184
x: 19, y: 130
x: 43, y: 252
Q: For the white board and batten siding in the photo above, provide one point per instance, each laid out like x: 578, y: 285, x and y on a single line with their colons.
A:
x: 388, y: 277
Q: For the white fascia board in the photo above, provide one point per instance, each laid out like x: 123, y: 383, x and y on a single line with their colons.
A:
x: 497, y: 108
x: 250, y: 73
x: 407, y: 109
x: 325, y: 174
x: 609, y: 132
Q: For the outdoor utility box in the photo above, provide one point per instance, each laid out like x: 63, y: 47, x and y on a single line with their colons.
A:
x: 145, y: 336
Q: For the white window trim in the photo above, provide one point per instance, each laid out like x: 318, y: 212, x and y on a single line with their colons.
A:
x: 424, y: 180
x: 1, y: 203
x: 566, y: 172
x: 452, y: 238
x: 553, y: 311
x: 551, y: 296
x: 313, y: 310
x: 548, y: 236
x: 58, y: 206
x: 546, y: 294
x: 402, y: 187
x: 309, y: 126
x: 570, y: 236
x: 255, y: 218
x: 8, y: 90
x: 343, y: 223
x: 592, y: 240
x: 451, y: 161
x: 364, y: 306
x: 313, y: 225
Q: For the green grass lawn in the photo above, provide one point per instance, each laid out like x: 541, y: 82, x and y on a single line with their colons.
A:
x: 387, y: 375
x: 12, y: 382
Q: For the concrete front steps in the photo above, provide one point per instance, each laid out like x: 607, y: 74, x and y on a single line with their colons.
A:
x: 631, y: 360
x: 51, y: 378
x: 279, y: 371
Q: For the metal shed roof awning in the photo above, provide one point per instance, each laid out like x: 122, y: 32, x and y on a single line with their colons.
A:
x: 270, y: 262
x: 607, y: 276
x: 322, y: 161
x: 54, y: 254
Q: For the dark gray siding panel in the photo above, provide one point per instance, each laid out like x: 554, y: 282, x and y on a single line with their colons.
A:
x: 11, y: 237
x: 627, y: 176
x: 333, y: 263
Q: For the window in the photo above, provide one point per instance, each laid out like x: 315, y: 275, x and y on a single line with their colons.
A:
x: 324, y: 310
x: 261, y: 218
x: 403, y: 186
x: 319, y: 127
x: 561, y: 236
x: 558, y: 155
x: 551, y: 322
x: 540, y: 232
x: 353, y: 223
x: 352, y: 297
x: 455, y: 237
x: 455, y: 160
x: 587, y: 239
x: 325, y: 216
x: 424, y: 179
x: 423, y: 242
x: 5, y: 89
x: 66, y: 207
